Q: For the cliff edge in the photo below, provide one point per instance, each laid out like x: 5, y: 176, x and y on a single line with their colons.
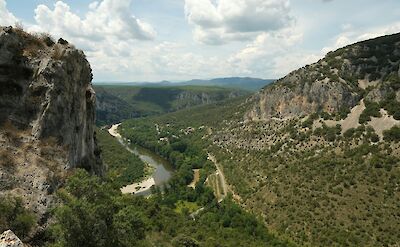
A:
x: 47, y: 119
x: 46, y: 87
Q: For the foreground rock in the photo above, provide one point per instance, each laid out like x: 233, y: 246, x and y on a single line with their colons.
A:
x: 9, y: 239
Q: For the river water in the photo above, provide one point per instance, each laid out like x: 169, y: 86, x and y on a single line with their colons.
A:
x: 163, y: 169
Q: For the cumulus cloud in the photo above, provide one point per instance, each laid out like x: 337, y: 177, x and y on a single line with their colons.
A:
x: 260, y: 56
x: 217, y: 22
x: 107, y: 18
x: 6, y: 18
x: 351, y: 35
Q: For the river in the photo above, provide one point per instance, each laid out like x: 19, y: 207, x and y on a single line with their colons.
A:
x: 162, y: 168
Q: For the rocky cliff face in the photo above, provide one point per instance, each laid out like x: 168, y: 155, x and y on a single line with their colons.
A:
x: 186, y: 99
x: 45, y: 87
x: 47, y: 116
x: 337, y: 82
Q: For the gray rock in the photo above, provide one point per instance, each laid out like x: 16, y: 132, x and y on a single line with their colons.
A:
x: 331, y: 84
x: 49, y: 91
x: 9, y: 239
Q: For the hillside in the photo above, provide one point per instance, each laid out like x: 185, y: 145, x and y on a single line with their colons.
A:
x: 47, y: 116
x: 50, y: 156
x: 116, y: 103
x: 315, y: 154
x: 243, y: 83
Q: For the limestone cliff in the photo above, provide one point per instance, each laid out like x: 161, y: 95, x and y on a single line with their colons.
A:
x: 335, y: 83
x: 47, y: 116
x: 45, y: 87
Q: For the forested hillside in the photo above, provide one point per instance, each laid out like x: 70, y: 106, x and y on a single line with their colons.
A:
x: 116, y: 103
x: 322, y: 173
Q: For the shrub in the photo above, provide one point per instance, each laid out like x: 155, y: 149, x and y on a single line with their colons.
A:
x: 15, y: 216
x: 374, y: 138
x: 391, y: 105
x: 392, y: 135
x: 372, y: 110
x: 343, y: 112
x: 349, y: 133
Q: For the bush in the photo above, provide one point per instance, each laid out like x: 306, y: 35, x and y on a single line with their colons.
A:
x: 349, y: 133
x: 92, y: 215
x: 343, y: 112
x: 392, y: 135
x: 15, y: 216
x: 372, y: 110
x: 391, y: 105
x: 374, y: 138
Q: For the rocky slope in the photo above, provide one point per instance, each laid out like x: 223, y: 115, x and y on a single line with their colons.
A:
x: 335, y: 83
x: 317, y: 154
x: 47, y: 116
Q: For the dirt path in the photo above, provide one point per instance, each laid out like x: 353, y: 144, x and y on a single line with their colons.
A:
x: 222, y: 181
x: 221, y: 175
x: 196, y: 178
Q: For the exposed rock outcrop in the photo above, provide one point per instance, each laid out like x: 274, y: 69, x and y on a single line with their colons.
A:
x: 46, y: 88
x: 9, y: 239
x: 337, y: 82
x: 47, y: 117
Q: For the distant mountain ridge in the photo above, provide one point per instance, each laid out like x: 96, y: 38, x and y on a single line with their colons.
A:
x: 245, y: 83
x: 120, y: 102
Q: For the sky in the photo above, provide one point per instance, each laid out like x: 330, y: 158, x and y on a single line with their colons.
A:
x: 154, y: 40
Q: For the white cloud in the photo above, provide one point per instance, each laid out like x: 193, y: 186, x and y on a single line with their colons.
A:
x: 6, y: 18
x: 93, y: 5
x: 217, y: 22
x: 105, y: 19
x: 352, y: 35
x: 261, y: 56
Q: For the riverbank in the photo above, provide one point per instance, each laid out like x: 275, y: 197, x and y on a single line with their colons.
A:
x: 158, y: 170
x: 114, y: 131
x: 140, y: 187
x: 134, y: 188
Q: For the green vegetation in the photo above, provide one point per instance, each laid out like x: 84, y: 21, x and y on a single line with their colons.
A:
x: 316, y: 188
x: 117, y: 103
x: 95, y: 214
x: 186, y: 207
x: 123, y: 167
x: 392, y: 135
x: 329, y: 133
x: 14, y: 216
x: 372, y: 110
x: 391, y: 105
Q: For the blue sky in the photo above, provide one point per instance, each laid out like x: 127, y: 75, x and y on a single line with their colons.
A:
x: 142, y: 40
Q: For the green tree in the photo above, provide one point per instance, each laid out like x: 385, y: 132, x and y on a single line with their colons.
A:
x: 129, y: 226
